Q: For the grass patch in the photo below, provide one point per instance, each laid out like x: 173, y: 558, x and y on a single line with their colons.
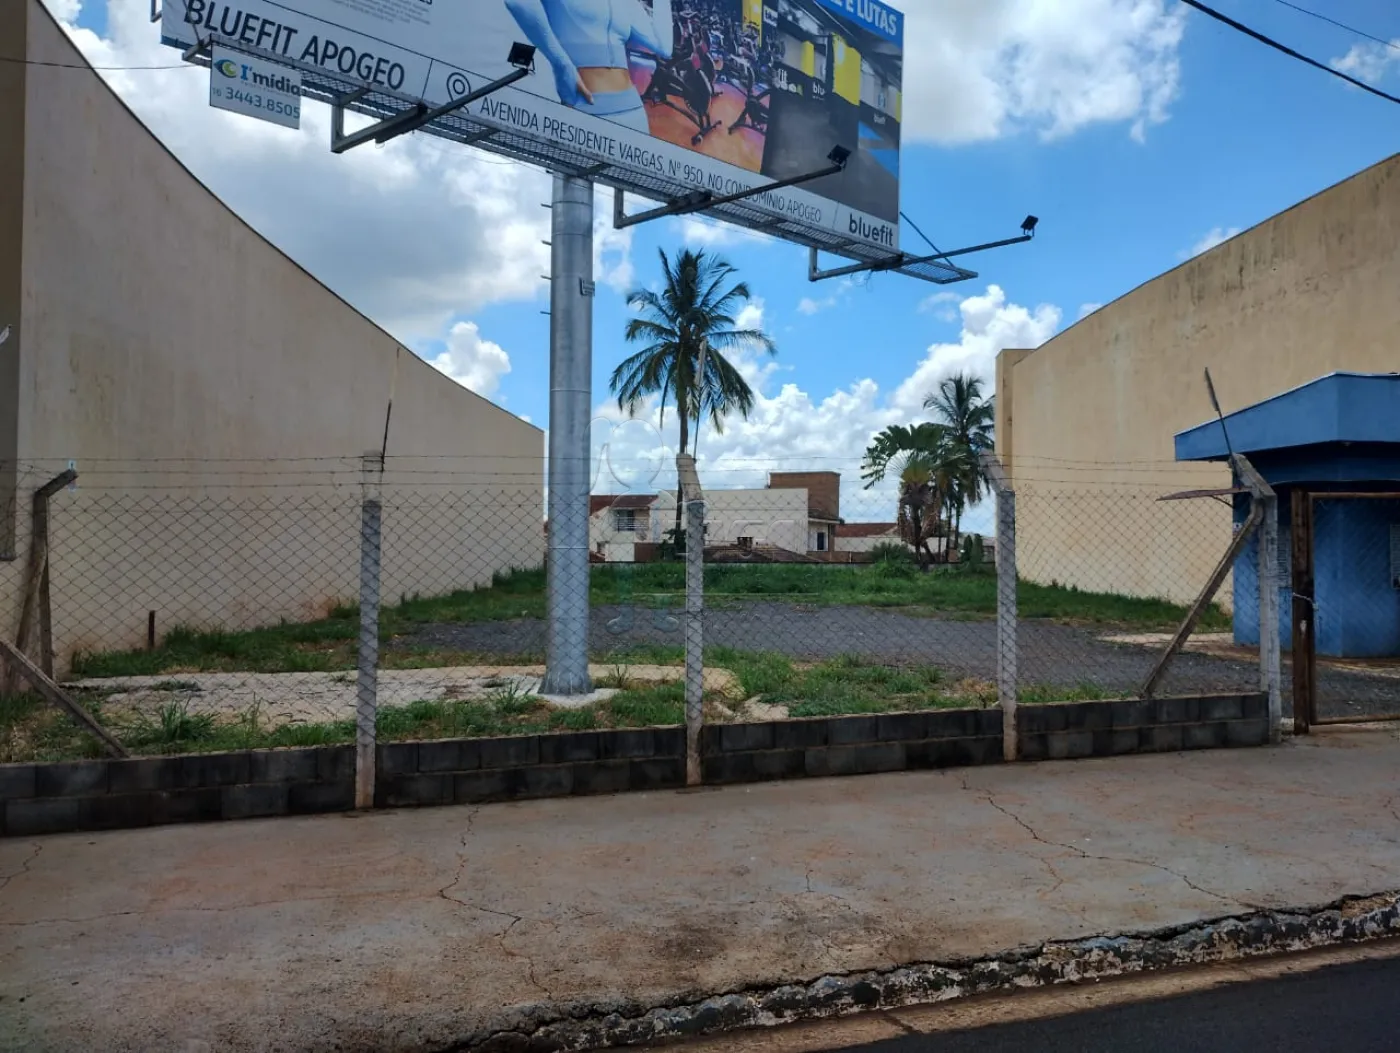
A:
x: 1046, y: 694
x: 848, y: 685
x: 650, y: 706
x: 32, y: 729
x: 329, y: 644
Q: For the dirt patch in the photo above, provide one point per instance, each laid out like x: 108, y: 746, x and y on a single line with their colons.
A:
x: 312, y: 698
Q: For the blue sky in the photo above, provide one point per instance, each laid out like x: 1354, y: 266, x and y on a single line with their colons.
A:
x: 1230, y: 134
x: 1251, y: 133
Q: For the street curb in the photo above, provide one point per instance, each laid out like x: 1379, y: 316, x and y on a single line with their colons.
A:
x: 1353, y: 919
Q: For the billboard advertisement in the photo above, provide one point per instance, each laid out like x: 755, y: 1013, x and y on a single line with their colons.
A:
x: 254, y: 88
x: 720, y: 95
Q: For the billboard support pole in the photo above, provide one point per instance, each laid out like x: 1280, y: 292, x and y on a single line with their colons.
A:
x: 570, y: 406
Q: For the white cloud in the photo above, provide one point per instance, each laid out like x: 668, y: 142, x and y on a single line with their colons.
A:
x: 795, y: 429
x: 1085, y: 310
x: 1370, y: 61
x: 810, y: 305
x: 612, y: 252
x: 995, y: 68
x: 423, y: 232
x: 1216, y: 236
x: 939, y: 299
x: 750, y: 316
x: 989, y: 324
x: 472, y: 361
x: 413, y: 233
x: 699, y: 232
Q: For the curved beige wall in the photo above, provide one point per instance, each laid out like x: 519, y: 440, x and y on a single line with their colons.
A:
x: 200, y: 377
x: 1091, y: 414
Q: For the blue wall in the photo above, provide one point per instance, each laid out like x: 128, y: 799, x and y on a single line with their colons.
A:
x: 1358, y: 606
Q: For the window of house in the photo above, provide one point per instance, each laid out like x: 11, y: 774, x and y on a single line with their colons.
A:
x: 821, y: 540
x: 625, y: 520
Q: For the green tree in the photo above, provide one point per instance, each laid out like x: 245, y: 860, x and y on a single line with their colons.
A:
x: 968, y: 421
x: 927, y: 464
x: 695, y: 308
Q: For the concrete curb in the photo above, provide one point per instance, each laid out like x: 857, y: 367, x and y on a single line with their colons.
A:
x: 545, y: 1029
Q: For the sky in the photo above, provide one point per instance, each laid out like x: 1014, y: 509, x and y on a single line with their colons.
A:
x: 1139, y: 131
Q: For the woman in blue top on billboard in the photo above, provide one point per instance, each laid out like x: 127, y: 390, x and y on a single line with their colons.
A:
x: 586, y: 43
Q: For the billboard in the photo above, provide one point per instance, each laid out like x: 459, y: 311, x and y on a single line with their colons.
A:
x: 254, y: 88
x: 719, y: 95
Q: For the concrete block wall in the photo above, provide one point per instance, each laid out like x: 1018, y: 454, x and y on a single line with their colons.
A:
x: 1162, y: 725
x: 38, y: 799
x: 152, y: 791
x: 477, y: 771
x: 864, y: 745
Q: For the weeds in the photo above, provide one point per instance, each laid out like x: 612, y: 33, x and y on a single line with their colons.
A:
x: 171, y: 726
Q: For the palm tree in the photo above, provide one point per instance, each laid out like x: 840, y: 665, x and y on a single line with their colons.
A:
x: 928, y: 466
x: 692, y: 319
x: 968, y: 421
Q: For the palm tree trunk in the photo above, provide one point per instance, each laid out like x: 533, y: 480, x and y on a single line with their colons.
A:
x: 680, y: 498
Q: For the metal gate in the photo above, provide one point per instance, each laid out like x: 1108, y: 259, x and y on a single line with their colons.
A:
x: 1345, y: 574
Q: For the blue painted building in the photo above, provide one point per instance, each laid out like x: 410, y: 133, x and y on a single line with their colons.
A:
x: 1339, y: 434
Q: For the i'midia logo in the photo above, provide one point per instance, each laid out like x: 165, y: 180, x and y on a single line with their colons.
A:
x: 228, y: 68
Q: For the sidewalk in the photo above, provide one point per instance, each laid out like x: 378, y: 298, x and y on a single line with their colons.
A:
x: 428, y: 930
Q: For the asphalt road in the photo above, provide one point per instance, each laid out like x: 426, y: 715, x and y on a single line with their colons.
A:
x: 1051, y: 654
x: 1346, y: 1008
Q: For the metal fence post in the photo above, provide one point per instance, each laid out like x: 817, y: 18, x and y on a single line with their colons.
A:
x: 1006, y: 621
x: 694, y: 616
x: 367, y: 679
x: 1006, y: 605
x: 1263, y: 497
x: 1270, y: 649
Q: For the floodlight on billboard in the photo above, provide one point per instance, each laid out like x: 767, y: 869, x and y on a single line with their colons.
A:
x: 725, y: 104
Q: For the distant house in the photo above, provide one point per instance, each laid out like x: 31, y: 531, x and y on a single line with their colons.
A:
x: 798, y: 514
x: 617, y: 523
x: 866, y: 537
x: 823, y: 490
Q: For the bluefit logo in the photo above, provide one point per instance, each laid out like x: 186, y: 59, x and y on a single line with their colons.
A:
x: 880, y: 233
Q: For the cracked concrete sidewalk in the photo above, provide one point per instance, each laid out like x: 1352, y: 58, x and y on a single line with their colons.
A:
x: 414, y: 931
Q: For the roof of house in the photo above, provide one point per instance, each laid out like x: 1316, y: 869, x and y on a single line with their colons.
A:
x: 755, y: 554
x: 1340, y: 407
x: 868, y: 529
x: 600, y: 502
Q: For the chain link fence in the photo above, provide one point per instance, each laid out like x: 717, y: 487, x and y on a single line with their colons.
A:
x: 1355, y: 597
x: 210, y: 619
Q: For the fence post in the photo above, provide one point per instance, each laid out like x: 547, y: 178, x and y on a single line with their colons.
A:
x: 1006, y: 605
x: 367, y: 679
x: 694, y: 616
x: 1270, y: 650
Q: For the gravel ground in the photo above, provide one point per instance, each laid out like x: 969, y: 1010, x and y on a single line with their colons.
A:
x: 1050, y: 653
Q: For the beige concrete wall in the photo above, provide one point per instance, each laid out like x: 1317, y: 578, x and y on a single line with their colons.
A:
x: 770, y: 517
x: 1085, y: 424
x: 864, y: 544
x: 12, y: 97
x: 216, y: 399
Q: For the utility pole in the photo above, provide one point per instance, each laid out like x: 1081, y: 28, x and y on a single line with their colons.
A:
x: 570, y: 408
